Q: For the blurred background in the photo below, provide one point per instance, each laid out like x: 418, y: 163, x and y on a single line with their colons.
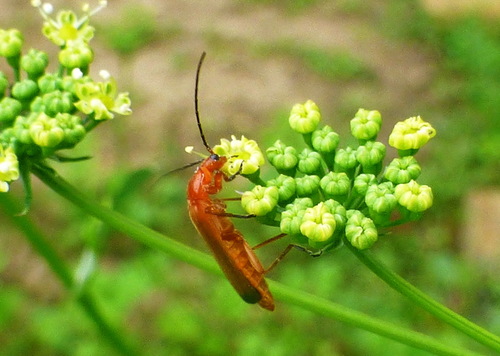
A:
x: 437, y: 59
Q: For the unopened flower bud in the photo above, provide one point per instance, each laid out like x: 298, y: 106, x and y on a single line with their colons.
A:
x: 307, y: 186
x: 318, y: 224
x: 286, y: 187
x: 11, y: 42
x: 310, y: 162
x: 325, y: 140
x: 49, y: 82
x: 76, y: 55
x: 345, y: 160
x: 402, y: 170
x: 260, y: 200
x: 304, y: 118
x: 380, y: 198
x: 411, y: 134
x: 291, y: 218
x: 283, y: 158
x: 34, y: 63
x: 335, y: 185
x: 371, y: 155
x: 413, y: 196
x: 25, y: 90
x: 360, y: 231
x: 366, y: 124
x: 45, y: 131
x: 362, y: 182
x: 9, y: 109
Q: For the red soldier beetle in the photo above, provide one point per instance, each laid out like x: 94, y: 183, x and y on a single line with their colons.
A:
x: 234, y: 255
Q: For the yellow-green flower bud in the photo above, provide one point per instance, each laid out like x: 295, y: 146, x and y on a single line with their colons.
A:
x: 335, y: 185
x: 339, y: 213
x: 402, y: 170
x: 413, y: 196
x: 307, y: 186
x: 9, y: 168
x: 53, y: 103
x: 76, y: 55
x: 286, y: 187
x: 318, y: 224
x: 411, y: 134
x: 11, y: 42
x: 34, y: 63
x: 325, y: 140
x: 283, y: 158
x: 45, y: 131
x: 291, y: 218
x: 260, y: 200
x: 362, y: 182
x: 243, y: 156
x: 380, y: 198
x: 72, y: 127
x: 304, y: 118
x: 345, y: 160
x: 9, y: 109
x: 360, y: 231
x: 25, y: 90
x: 21, y: 128
x: 49, y: 82
x: 371, y: 155
x: 310, y: 162
x: 366, y: 124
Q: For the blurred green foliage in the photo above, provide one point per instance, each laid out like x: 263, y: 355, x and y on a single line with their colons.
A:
x: 174, y: 309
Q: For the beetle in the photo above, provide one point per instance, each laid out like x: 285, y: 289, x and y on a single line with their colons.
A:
x: 234, y: 255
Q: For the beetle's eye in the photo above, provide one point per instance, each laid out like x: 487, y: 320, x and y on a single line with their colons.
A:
x: 214, y: 156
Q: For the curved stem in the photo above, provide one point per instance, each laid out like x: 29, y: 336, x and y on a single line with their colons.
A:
x: 424, y: 301
x: 63, y: 272
x: 309, y: 302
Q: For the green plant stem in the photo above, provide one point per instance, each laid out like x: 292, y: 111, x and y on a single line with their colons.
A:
x: 63, y: 272
x: 309, y: 302
x: 424, y: 301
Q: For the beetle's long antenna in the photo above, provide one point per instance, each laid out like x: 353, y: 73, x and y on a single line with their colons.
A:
x: 209, y: 149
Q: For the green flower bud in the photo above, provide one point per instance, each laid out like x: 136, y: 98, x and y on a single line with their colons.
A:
x: 339, y: 213
x: 4, y: 84
x: 380, y: 198
x: 307, y: 186
x: 413, y: 196
x: 21, y: 128
x: 291, y: 218
x: 360, y: 231
x: 362, y: 182
x: 25, y: 90
x: 304, y: 118
x: 45, y: 131
x: 371, y: 153
x: 9, y: 168
x: 336, y: 185
x: 283, y: 158
x: 260, y: 200
x: 72, y: 127
x: 402, y: 170
x: 325, y: 140
x: 77, y: 55
x: 366, y: 124
x: 318, y: 224
x: 53, y: 103
x: 411, y: 134
x: 34, y: 63
x: 49, y: 82
x: 310, y: 162
x: 345, y: 160
x: 286, y: 187
x: 9, y: 109
x: 11, y: 42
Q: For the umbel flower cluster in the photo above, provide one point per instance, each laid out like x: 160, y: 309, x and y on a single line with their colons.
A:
x: 42, y: 111
x: 322, y: 193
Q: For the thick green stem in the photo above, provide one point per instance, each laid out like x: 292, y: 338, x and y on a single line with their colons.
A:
x: 63, y: 272
x: 201, y: 260
x: 424, y: 301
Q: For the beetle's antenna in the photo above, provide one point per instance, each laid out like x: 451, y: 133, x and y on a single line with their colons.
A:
x: 209, y: 149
